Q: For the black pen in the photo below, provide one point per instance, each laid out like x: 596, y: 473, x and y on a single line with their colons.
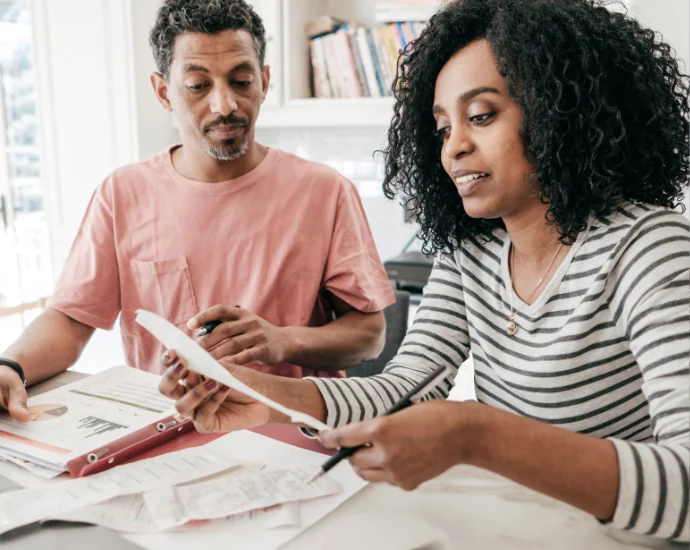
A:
x: 208, y: 328
x: 418, y: 391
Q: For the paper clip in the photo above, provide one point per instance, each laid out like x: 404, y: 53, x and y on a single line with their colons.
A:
x: 93, y: 457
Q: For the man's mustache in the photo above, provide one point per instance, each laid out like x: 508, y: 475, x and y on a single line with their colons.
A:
x: 226, y: 121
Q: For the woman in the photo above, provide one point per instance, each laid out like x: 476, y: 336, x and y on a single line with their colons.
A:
x: 543, y: 147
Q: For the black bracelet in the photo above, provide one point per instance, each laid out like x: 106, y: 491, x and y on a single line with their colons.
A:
x: 15, y: 367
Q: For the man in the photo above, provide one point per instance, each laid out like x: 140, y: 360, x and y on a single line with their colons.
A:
x: 281, y: 241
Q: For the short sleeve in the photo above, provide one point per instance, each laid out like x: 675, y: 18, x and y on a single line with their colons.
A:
x: 88, y: 289
x: 354, y: 272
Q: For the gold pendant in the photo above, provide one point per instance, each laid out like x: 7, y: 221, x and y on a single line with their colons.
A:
x: 511, y: 327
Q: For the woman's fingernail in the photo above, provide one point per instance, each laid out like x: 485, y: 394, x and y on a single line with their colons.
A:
x: 165, y: 358
x: 179, y: 367
x: 224, y: 388
x: 210, y: 384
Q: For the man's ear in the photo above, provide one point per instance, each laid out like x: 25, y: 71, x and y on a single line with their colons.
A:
x: 160, y: 88
x: 265, y: 81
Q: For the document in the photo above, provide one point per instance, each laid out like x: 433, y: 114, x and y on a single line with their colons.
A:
x: 232, y: 495
x: 84, y: 416
x: 23, y: 507
x: 40, y: 471
x: 202, y: 362
x: 129, y: 514
x: 167, y: 470
x: 27, y: 506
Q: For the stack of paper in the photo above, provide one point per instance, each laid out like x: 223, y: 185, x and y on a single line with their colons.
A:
x: 144, y: 497
x: 81, y: 418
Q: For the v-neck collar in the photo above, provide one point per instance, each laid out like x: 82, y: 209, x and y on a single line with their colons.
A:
x: 552, y: 285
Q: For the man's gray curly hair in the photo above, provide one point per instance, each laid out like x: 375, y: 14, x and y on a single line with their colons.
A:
x: 176, y: 17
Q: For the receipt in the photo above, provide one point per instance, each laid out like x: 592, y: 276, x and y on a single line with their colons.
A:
x: 127, y: 514
x: 202, y: 362
x: 227, y: 496
x: 168, y: 469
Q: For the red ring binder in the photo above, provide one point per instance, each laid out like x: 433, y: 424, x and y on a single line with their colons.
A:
x: 129, y: 446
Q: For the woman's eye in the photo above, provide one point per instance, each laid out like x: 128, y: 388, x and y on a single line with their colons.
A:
x: 481, y: 119
x: 442, y: 133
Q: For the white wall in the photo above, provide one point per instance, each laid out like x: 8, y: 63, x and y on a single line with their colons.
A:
x: 671, y: 18
x: 88, y: 120
x: 85, y: 105
x: 153, y: 124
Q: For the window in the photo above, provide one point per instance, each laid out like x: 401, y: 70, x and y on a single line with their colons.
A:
x: 25, y: 274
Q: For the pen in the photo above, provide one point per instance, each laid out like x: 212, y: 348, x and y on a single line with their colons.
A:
x: 208, y: 328
x: 406, y: 401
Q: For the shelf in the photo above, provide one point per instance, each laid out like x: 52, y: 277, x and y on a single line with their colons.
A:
x: 385, y: 12
x: 324, y: 113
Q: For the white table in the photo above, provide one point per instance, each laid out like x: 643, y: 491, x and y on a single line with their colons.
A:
x: 464, y: 508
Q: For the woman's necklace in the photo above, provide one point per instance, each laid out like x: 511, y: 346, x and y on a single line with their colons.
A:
x: 511, y: 326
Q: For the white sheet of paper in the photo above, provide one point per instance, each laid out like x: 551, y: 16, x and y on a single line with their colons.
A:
x: 202, y: 362
x: 246, y: 447
x: 127, y: 514
x: 275, y: 517
x: 229, y: 495
x: 41, y: 471
x: 27, y: 506
x: 18, y: 508
x: 285, y: 515
x: 168, y: 470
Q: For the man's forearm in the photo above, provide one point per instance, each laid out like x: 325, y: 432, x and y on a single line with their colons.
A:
x: 49, y: 345
x: 351, y: 339
x: 578, y: 469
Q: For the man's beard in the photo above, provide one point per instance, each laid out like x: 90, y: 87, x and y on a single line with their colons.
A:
x: 228, y: 152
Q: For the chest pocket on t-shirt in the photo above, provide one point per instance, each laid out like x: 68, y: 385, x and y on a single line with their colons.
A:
x: 165, y: 288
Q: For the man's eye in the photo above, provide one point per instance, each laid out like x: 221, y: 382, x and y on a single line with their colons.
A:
x: 243, y: 83
x: 196, y: 87
x: 481, y: 119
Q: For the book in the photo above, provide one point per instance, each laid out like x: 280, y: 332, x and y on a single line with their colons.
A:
x: 323, y: 24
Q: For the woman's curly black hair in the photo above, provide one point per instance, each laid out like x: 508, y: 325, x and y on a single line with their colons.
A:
x: 604, y: 105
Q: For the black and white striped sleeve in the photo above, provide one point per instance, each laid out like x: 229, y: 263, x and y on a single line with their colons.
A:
x: 654, y: 274
x: 438, y: 336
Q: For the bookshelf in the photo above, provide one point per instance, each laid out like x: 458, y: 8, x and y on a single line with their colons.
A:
x: 289, y: 103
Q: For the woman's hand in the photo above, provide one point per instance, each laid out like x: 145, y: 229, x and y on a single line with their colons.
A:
x: 411, y: 446
x: 213, y: 407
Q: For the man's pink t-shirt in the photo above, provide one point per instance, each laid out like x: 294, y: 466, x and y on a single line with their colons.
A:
x: 270, y: 241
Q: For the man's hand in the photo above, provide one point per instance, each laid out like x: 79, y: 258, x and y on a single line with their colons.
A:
x: 411, y: 446
x: 243, y: 337
x: 212, y: 407
x: 13, y: 394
